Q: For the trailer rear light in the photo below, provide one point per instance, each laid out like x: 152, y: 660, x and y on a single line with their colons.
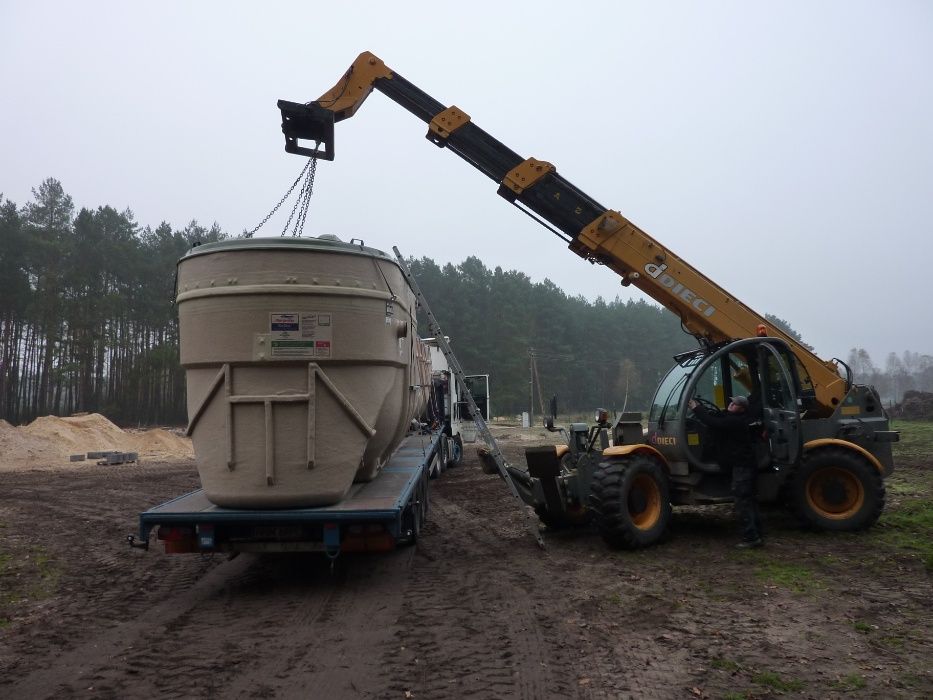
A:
x: 175, y: 533
x: 178, y: 540
x: 370, y: 529
x: 367, y: 538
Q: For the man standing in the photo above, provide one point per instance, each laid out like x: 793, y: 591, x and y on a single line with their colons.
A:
x: 737, y: 452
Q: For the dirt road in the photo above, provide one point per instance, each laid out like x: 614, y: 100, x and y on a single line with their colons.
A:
x: 476, y: 610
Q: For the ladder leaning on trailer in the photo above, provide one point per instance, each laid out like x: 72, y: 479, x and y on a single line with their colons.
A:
x: 455, y: 368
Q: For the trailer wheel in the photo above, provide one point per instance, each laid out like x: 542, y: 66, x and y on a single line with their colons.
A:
x: 631, y: 501
x: 441, y: 460
x: 455, y: 458
x: 837, y: 489
x: 425, y: 501
x: 416, y: 513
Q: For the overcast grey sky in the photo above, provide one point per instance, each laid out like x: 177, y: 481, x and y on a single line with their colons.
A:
x: 783, y: 149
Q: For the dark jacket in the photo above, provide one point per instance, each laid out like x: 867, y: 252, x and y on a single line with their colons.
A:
x: 734, y: 437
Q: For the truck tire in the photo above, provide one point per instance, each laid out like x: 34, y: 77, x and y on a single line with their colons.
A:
x: 425, y: 500
x: 440, y: 460
x: 630, y: 499
x: 455, y: 458
x: 837, y: 489
x: 416, y: 513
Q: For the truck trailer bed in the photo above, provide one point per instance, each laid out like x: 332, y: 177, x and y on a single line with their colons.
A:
x: 388, y: 509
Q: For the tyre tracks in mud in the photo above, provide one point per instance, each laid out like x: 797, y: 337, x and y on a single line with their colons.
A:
x: 471, y: 627
x: 440, y: 620
x: 557, y: 633
x: 255, y: 626
x: 476, y: 610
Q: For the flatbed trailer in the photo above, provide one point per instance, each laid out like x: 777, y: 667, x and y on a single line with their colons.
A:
x: 374, y: 516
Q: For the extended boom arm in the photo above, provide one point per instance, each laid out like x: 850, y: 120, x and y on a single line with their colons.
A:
x: 593, y: 232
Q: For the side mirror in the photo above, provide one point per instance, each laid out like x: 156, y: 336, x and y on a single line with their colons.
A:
x: 549, y: 423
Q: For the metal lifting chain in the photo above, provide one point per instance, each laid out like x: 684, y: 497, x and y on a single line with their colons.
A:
x: 304, y: 199
x: 307, y: 173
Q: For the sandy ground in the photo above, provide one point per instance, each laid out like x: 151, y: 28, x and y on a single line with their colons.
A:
x: 49, y: 442
x: 475, y: 610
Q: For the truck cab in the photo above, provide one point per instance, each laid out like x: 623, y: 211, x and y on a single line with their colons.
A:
x: 449, y: 411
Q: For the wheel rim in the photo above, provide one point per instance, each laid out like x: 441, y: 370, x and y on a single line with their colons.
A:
x: 835, y: 493
x: 644, y: 502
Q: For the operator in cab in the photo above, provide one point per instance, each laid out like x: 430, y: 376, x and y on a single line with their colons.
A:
x: 736, y: 451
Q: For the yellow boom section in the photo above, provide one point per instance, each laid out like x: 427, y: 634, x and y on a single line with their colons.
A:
x: 705, y: 308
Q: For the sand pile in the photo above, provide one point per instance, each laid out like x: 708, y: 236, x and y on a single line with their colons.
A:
x: 49, y: 441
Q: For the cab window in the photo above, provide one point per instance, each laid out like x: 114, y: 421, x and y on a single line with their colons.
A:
x: 666, y: 404
x: 778, y: 394
x: 729, y: 376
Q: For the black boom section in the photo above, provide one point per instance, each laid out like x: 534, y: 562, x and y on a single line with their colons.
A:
x: 412, y: 98
x: 552, y: 198
x: 469, y: 142
x: 556, y: 200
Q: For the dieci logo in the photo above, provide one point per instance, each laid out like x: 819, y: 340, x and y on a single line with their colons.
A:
x: 656, y: 439
x: 677, y: 289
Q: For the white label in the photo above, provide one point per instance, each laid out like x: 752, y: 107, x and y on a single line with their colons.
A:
x: 284, y: 326
x: 308, y: 334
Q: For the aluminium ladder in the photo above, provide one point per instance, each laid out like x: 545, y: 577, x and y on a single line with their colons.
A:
x: 435, y: 329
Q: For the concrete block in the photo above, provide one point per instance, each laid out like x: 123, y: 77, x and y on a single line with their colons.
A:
x: 119, y: 458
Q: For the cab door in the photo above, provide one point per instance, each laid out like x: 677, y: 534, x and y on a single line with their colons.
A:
x: 780, y: 408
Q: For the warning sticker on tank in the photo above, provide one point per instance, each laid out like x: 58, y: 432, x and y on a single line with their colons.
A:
x: 292, y: 348
x: 306, y: 334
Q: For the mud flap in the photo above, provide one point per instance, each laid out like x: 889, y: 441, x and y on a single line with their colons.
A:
x: 331, y: 539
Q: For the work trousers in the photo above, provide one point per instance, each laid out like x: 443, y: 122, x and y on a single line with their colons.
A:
x: 744, y: 488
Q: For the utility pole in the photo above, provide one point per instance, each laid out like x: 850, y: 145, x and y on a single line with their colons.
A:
x: 531, y: 387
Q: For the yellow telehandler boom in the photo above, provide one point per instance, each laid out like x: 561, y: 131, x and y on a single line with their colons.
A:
x: 594, y: 232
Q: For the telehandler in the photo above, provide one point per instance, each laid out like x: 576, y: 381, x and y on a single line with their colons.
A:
x: 825, y: 441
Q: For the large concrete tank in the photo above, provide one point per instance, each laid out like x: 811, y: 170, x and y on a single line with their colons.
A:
x: 304, y: 368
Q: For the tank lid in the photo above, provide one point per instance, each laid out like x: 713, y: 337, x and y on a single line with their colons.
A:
x: 327, y: 243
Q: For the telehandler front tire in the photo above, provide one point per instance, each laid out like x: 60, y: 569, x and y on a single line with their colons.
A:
x: 630, y: 499
x: 837, y: 489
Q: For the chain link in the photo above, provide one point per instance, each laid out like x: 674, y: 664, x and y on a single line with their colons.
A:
x: 301, y: 202
x: 312, y: 165
x: 305, y: 198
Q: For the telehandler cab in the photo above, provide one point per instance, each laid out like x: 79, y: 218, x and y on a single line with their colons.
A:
x: 825, y: 442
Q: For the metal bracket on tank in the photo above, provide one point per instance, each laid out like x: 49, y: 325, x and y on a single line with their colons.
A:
x: 224, y: 377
